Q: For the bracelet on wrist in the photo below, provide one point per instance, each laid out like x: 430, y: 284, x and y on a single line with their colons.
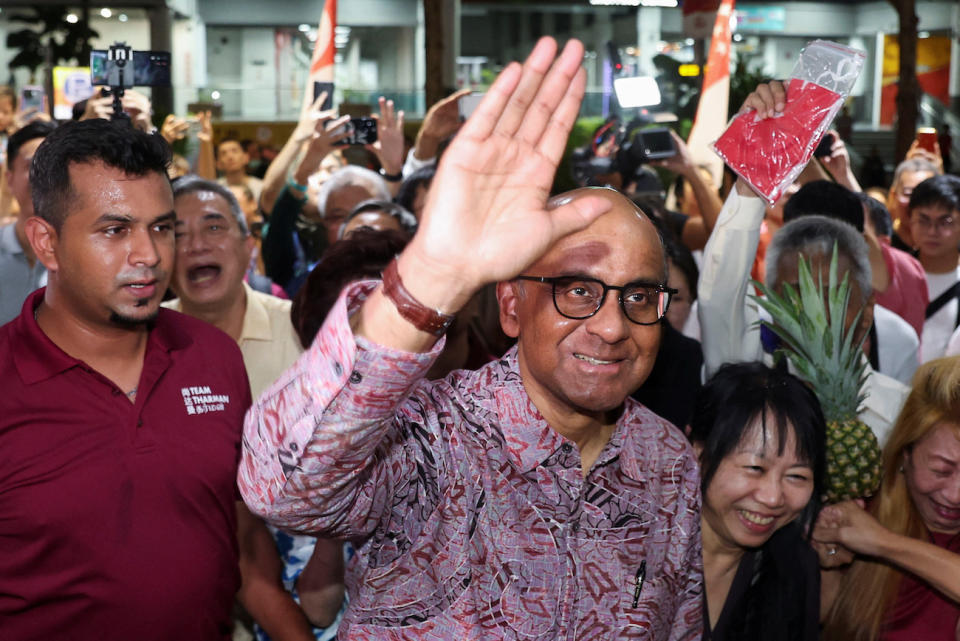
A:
x: 296, y: 187
x: 431, y: 321
x: 391, y: 178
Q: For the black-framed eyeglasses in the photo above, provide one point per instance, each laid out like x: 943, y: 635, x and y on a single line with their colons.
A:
x: 579, y: 297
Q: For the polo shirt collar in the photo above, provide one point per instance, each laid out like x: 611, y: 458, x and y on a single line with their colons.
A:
x: 40, y: 358
x: 256, y: 319
x: 529, y: 438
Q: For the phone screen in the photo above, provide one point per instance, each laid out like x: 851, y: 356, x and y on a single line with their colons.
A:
x: 150, y: 69
x: 657, y: 143
x: 31, y: 98
x: 320, y: 87
x: 469, y: 103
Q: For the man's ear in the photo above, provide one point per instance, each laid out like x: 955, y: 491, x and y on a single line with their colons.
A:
x: 508, y: 297
x: 44, y: 240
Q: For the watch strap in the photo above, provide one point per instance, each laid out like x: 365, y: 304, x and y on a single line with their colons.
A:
x: 425, y: 319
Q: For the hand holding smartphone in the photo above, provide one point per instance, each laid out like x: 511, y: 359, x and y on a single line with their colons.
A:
x: 927, y: 139
x: 361, y: 131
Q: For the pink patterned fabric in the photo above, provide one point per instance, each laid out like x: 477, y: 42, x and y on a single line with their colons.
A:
x: 471, y: 515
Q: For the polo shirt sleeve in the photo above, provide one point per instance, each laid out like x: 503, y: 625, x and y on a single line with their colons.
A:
x: 311, y: 458
x: 727, y: 315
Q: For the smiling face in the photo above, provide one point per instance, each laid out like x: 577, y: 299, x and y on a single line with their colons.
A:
x: 586, y: 366
x: 755, y: 490
x: 212, y: 253
x: 932, y: 474
x: 113, y: 254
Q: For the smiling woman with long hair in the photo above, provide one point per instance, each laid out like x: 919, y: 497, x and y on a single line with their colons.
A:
x: 759, y: 433
x: 905, y: 581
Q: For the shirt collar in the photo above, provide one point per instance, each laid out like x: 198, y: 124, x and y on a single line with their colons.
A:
x: 256, y: 319
x: 38, y: 358
x: 529, y: 438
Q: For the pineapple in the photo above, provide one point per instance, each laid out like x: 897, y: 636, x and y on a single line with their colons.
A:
x: 823, y: 353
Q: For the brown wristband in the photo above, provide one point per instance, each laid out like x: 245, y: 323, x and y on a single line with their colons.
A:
x: 416, y: 313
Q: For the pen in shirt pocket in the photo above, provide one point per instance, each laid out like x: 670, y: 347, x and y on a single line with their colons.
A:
x: 638, y: 582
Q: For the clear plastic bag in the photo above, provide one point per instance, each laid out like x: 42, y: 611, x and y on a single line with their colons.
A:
x: 770, y: 153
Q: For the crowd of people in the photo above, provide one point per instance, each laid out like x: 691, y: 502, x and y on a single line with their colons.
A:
x: 396, y: 401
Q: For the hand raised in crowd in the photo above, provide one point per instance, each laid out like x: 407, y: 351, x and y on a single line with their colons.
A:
x: 26, y: 116
x: 681, y: 162
x: 138, y: 107
x: 326, y: 132
x: 487, y: 217
x: 98, y: 106
x: 935, y: 156
x: 441, y: 121
x: 838, y: 162
x: 174, y: 128
x: 205, y: 133
x: 389, y: 145
x: 768, y: 99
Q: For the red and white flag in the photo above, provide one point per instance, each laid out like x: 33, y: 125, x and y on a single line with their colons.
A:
x: 711, y: 118
x: 324, y: 51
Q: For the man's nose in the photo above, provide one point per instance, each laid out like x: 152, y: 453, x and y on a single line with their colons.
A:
x: 143, y: 249
x: 190, y: 242
x: 609, y: 322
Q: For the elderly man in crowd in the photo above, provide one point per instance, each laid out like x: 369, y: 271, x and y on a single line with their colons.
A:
x: 728, y: 316
x: 213, y: 250
x: 528, y: 499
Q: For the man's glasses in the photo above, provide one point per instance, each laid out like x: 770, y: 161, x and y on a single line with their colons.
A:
x: 577, y: 297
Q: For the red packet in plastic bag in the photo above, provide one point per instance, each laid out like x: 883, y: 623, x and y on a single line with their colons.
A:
x: 770, y: 153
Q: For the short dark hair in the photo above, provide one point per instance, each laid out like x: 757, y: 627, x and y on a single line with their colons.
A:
x: 224, y: 141
x: 115, y: 144
x: 408, y: 188
x: 365, y: 254
x: 740, y: 393
x: 825, y: 198
x: 30, y: 131
x: 191, y: 184
x: 879, y: 214
x: 406, y: 220
x: 939, y: 191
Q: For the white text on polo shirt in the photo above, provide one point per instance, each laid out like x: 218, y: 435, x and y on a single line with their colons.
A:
x: 200, y: 400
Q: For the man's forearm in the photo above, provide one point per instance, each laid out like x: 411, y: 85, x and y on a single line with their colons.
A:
x: 276, y: 175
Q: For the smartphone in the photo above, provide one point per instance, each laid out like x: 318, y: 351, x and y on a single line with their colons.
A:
x: 31, y: 97
x: 927, y: 139
x: 468, y: 104
x: 362, y: 131
x: 825, y: 148
x: 320, y: 87
x: 150, y: 69
x: 656, y: 143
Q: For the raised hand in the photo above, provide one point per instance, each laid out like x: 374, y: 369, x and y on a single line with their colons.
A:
x: 389, y: 145
x: 486, y: 217
x: 173, y: 128
x: 441, y: 121
x: 326, y: 133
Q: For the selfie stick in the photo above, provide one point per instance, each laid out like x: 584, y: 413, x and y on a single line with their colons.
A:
x: 120, y: 54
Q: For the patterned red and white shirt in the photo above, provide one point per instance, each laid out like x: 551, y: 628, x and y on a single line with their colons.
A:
x: 471, y: 515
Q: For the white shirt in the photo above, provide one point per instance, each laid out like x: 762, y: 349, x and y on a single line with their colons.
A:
x: 938, y: 329
x: 728, y: 317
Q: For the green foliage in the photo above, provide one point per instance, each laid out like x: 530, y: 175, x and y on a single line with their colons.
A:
x: 743, y: 80
x: 818, y: 345
x: 580, y: 135
x: 65, y: 42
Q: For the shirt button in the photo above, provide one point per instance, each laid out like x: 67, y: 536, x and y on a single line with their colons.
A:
x: 140, y: 423
x: 337, y: 368
x: 575, y: 527
x: 567, y: 448
x: 355, y: 377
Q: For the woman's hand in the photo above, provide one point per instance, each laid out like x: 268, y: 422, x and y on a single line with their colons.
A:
x: 851, y: 526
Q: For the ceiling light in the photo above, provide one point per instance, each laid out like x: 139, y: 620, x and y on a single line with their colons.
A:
x: 106, y: 13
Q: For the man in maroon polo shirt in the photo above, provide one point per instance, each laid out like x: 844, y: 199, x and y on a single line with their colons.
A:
x: 120, y: 422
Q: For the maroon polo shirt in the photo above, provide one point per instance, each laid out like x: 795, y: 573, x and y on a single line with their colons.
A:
x: 118, y: 519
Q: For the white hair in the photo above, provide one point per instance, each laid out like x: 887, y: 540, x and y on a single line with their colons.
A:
x: 352, y: 176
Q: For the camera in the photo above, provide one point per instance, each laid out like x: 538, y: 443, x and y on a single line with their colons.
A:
x: 120, y: 67
x: 621, y: 149
x: 362, y: 131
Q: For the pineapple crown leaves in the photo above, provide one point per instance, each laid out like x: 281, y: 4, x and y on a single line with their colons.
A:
x: 817, y: 344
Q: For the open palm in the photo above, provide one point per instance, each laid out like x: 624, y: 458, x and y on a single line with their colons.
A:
x: 486, y: 217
